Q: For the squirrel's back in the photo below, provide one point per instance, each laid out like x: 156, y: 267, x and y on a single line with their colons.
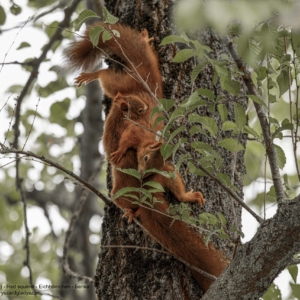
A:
x: 132, y: 47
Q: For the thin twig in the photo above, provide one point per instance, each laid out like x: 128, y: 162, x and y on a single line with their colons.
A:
x: 9, y: 124
x: 6, y: 102
x: 215, y: 179
x: 27, y: 244
x: 13, y: 43
x: 263, y: 123
x: 295, y: 261
x: 265, y: 184
x: 57, y: 36
x: 232, y: 179
x: 74, y: 219
x: 36, y: 107
x: 6, y: 150
x: 297, y: 112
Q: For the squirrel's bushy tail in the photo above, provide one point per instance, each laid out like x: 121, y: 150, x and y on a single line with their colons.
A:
x: 185, y: 243
x: 132, y: 47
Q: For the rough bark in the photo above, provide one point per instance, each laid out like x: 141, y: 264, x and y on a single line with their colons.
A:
x: 124, y: 273
x: 258, y: 262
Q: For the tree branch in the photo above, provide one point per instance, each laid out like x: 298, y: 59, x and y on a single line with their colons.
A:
x: 263, y: 123
x: 106, y: 200
x: 57, y: 36
x: 258, y: 262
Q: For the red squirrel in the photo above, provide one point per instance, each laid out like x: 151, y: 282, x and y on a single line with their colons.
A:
x: 176, y: 235
x: 129, y: 95
x: 115, y: 126
x: 132, y: 47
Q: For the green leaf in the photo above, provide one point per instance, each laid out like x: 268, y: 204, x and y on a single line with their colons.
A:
x: 240, y: 116
x: 286, y: 182
x: 106, y: 36
x: 293, y: 270
x: 183, y: 55
x: 223, y: 112
x: 197, y: 129
x: 116, y: 33
x: 272, y: 98
x: 16, y: 88
x: 230, y: 85
x: 209, y: 123
x: 250, y: 130
x: 287, y: 126
x: 202, y: 146
x: 58, y: 111
x: 94, y: 34
x: 125, y: 191
x: 280, y: 156
x: 174, y: 133
x: 224, y: 178
x: 273, y: 293
x: 231, y: 144
x: 156, y: 109
x: 155, y: 185
x: 295, y: 35
x: 83, y: 16
x: 257, y: 100
x: 197, y: 70
x: 158, y: 120
x: 283, y: 82
x: 177, y: 113
x: 167, y: 103
x: 166, y: 150
x: 163, y: 173
x: 272, y: 192
x: 52, y: 87
x: 248, y: 49
x: 173, y: 39
x: 295, y: 290
x: 194, y: 170
x: 2, y: 15
x: 222, y: 218
x: 15, y: 9
x: 261, y: 73
x: 206, y: 92
x: 108, y: 17
x: 193, y: 101
x: 228, y: 126
x: 207, y: 218
x: 24, y: 45
x: 131, y: 172
x: 224, y: 236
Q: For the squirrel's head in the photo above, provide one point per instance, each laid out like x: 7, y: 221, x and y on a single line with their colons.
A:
x: 131, y: 106
x: 149, y: 157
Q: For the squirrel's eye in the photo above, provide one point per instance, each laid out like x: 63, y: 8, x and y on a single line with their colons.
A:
x: 140, y: 111
x: 146, y: 158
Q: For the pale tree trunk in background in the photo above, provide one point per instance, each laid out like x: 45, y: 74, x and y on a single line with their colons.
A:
x: 141, y: 274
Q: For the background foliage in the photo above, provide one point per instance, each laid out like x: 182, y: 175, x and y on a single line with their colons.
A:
x: 51, y: 120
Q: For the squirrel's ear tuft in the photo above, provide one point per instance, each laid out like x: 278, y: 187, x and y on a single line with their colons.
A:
x: 155, y: 147
x: 119, y: 95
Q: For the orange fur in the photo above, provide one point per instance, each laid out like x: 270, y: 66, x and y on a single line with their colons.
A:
x: 130, y: 96
x: 115, y: 126
x: 177, y: 236
x: 132, y: 47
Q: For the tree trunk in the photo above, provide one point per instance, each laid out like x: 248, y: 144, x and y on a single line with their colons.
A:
x: 126, y: 273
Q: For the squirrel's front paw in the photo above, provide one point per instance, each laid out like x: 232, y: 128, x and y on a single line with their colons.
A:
x: 130, y: 214
x: 115, y: 157
x: 196, y: 196
x: 82, y: 78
